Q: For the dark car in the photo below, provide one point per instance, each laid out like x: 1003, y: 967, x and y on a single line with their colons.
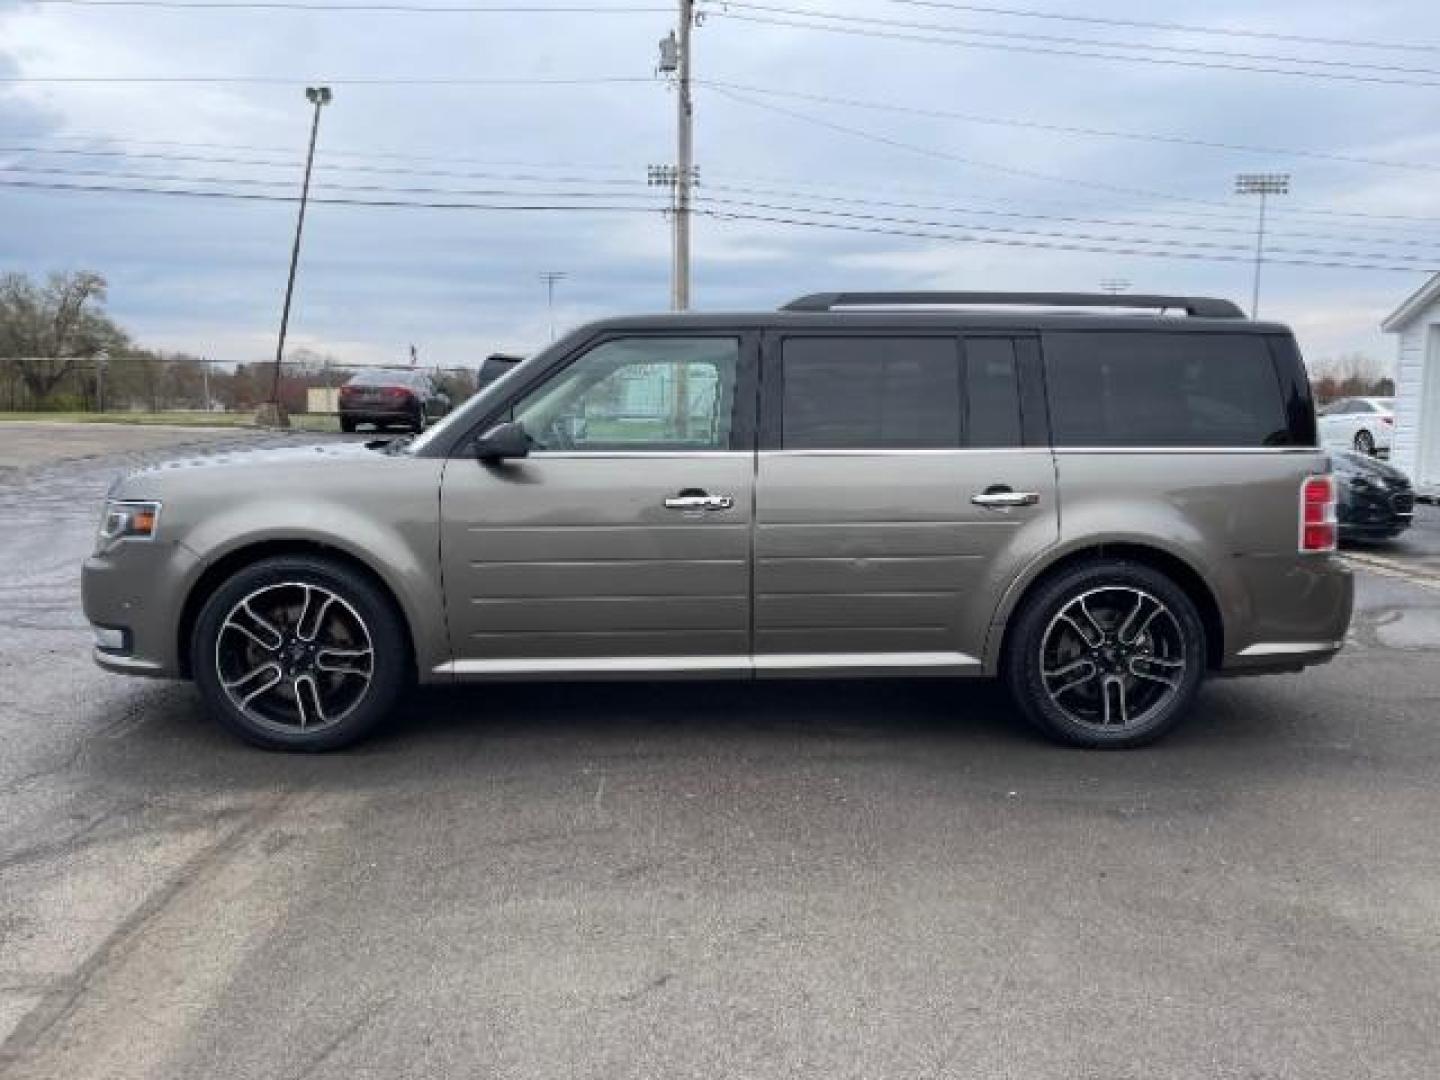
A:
x: 494, y: 366
x: 391, y: 398
x: 1377, y: 501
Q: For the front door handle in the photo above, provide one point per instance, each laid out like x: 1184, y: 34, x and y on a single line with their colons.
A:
x: 698, y: 500
x: 1002, y: 498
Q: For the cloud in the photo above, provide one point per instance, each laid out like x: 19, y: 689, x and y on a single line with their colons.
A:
x: 207, y: 275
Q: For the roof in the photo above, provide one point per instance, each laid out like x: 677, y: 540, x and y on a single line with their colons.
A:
x: 1414, y: 306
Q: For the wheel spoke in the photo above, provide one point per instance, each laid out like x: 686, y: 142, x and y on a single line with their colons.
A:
x: 1075, y: 674
x: 265, y: 628
x: 246, y: 686
x: 1118, y: 686
x: 344, y: 661
x: 1095, y: 623
x: 1138, y: 664
x: 307, y: 702
x: 317, y: 621
x: 1083, y: 634
x: 1129, y: 638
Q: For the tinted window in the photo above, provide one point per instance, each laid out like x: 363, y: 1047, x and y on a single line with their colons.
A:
x: 870, y: 393
x: 1157, y: 389
x: 638, y: 394
x: 992, y: 393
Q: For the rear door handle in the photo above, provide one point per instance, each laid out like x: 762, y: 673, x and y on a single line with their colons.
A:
x: 999, y: 498
x: 698, y: 500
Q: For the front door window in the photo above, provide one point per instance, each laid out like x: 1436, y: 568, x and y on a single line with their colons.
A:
x: 639, y: 394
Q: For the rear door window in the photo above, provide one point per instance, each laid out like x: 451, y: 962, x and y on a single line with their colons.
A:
x: 870, y: 393
x: 1132, y: 389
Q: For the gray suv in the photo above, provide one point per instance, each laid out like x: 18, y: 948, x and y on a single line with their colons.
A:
x: 1098, y: 507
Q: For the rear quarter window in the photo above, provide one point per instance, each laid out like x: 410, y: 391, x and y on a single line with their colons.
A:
x: 1147, y: 388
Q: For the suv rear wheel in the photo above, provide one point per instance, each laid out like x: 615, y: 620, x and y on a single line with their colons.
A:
x: 1108, y: 654
x: 299, y: 653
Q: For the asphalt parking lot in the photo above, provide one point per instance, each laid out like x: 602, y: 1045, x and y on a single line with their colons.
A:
x: 704, y: 880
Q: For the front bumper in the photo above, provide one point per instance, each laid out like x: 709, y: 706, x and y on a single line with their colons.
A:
x: 135, y: 591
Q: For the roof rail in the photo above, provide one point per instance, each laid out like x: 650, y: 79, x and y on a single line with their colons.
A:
x: 1197, y: 307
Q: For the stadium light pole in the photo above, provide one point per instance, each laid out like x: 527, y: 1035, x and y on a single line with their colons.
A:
x: 319, y: 96
x: 1264, y: 185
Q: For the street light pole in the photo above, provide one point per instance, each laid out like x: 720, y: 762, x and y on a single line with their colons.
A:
x: 550, y: 277
x: 319, y: 96
x: 1264, y: 185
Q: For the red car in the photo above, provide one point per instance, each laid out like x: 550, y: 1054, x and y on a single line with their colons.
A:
x: 383, y: 398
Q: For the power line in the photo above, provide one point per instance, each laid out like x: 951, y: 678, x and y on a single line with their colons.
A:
x: 323, y: 165
x: 1045, y: 50
x: 1037, y: 125
x: 861, y: 226
x: 1185, y: 28
x: 1423, y: 262
x: 1053, y: 39
x: 872, y: 201
x: 1030, y: 174
x: 342, y: 80
x: 920, y: 234
x: 352, y: 6
x: 326, y: 166
x: 245, y: 181
x: 111, y: 140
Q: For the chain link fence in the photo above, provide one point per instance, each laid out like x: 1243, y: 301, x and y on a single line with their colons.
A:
x: 145, y: 383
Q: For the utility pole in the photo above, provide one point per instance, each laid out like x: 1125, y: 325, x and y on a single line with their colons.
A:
x: 682, y: 176
x: 205, y: 382
x: 550, y: 277
x: 1115, y: 286
x: 685, y: 162
x: 1264, y: 185
x: 319, y: 96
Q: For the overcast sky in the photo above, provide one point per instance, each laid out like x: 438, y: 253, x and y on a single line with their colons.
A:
x: 207, y: 275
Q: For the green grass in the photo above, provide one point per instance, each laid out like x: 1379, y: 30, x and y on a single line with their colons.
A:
x: 180, y: 417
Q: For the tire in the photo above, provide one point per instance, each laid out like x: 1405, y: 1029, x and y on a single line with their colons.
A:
x: 418, y: 424
x: 347, y: 424
x: 284, y: 669
x: 1095, y: 681
x: 1365, y: 443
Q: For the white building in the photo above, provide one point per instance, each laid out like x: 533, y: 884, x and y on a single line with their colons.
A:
x: 1417, y: 387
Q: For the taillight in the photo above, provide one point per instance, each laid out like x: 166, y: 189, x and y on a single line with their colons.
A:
x: 1318, y: 528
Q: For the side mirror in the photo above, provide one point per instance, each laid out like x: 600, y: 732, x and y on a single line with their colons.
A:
x: 503, y: 441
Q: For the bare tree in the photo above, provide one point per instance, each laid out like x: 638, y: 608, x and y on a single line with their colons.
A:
x: 48, y: 328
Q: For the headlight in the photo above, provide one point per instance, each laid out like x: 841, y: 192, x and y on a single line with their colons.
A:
x: 127, y: 520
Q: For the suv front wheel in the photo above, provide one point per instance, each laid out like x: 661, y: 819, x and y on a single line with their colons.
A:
x: 299, y: 653
x: 1107, y: 654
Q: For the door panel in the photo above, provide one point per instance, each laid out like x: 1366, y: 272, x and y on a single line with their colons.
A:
x: 871, y: 553
x: 577, y: 556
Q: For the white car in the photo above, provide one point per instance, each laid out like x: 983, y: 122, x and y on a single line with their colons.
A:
x: 1363, y: 424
